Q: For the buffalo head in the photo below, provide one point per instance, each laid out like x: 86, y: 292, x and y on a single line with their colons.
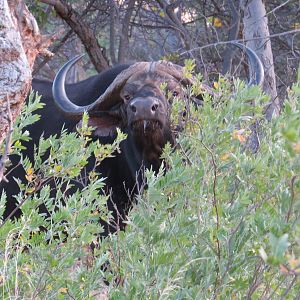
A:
x: 135, y: 102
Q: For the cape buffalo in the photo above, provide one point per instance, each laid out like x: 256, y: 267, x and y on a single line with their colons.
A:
x: 128, y: 97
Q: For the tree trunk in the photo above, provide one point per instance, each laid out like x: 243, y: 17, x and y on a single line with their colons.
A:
x: 124, y: 38
x: 112, y: 31
x: 20, y: 42
x: 228, y: 54
x: 256, y: 30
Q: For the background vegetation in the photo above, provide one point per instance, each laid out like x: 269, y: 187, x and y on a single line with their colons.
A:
x: 128, y: 30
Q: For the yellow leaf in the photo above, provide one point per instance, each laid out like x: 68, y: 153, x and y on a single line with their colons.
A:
x: 63, y: 290
x: 30, y: 190
x: 238, y: 135
x: 57, y: 168
x: 17, y: 144
x: 92, y: 175
x: 29, y: 177
x: 225, y: 156
x: 26, y: 268
x: 29, y: 174
x: 297, y: 25
x: 217, y: 22
x: 216, y: 85
x: 29, y: 171
x: 296, y: 147
x: 161, y: 13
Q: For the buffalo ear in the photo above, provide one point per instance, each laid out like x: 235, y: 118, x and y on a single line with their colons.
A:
x: 104, y: 125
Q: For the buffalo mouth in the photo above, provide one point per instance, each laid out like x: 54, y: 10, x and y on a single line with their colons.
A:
x: 146, y: 126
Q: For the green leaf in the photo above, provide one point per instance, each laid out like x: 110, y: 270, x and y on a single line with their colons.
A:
x: 278, y: 245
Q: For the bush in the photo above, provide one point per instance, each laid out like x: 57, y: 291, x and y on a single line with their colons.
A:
x: 222, y: 222
x: 217, y: 222
x: 47, y: 256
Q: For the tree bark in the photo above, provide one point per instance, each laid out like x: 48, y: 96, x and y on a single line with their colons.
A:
x: 112, y: 31
x: 124, y: 39
x: 20, y: 43
x: 233, y: 34
x: 86, y: 35
x: 256, y: 26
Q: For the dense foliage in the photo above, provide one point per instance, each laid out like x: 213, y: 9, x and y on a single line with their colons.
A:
x: 218, y: 222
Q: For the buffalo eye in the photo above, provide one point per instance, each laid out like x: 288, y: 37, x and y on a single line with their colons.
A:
x: 127, y: 97
x: 175, y: 94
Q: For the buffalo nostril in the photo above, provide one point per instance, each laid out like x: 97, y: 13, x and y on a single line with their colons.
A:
x: 154, y: 107
x: 133, y: 108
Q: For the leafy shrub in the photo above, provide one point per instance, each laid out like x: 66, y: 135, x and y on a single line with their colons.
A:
x: 221, y: 222
x: 217, y: 222
x: 42, y: 255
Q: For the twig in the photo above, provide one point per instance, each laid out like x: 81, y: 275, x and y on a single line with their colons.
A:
x: 255, y: 283
x: 215, y: 204
x: 13, y: 212
x: 289, y: 288
x: 62, y: 41
x: 54, y: 51
x: 70, y: 294
x: 8, y: 142
x: 292, y: 198
x: 277, y: 7
x: 240, y: 40
x: 214, y: 184
x: 37, y: 290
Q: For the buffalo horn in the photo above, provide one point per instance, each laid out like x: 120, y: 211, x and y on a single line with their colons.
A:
x: 110, y: 98
x: 59, y: 92
x: 256, y: 69
x: 105, y: 101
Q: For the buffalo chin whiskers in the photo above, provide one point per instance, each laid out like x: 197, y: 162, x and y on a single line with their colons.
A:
x: 145, y: 126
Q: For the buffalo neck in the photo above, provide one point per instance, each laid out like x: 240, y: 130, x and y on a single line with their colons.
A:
x: 144, y: 152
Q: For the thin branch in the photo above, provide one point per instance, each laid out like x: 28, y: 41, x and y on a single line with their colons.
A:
x: 256, y: 279
x: 215, y: 204
x: 240, y: 40
x: 112, y: 33
x: 38, y: 290
x: 62, y: 41
x: 289, y: 288
x: 54, y: 51
x: 277, y: 7
x: 176, y: 22
x: 84, y: 32
x: 292, y: 198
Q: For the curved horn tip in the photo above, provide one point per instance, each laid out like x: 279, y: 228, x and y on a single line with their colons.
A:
x: 59, y: 93
x: 256, y: 69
